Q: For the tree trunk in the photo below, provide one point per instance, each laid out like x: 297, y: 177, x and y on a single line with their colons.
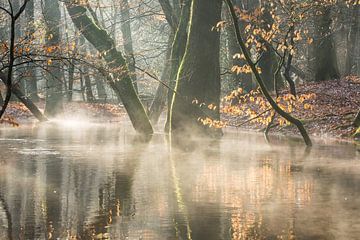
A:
x: 88, y: 89
x: 237, y: 80
x: 1, y: 100
x: 357, y: 120
x: 54, y: 90
x: 198, y: 81
x: 100, y: 88
x: 326, y: 66
x: 71, y: 73
x: 25, y: 100
x: 127, y: 38
x: 269, y: 60
x: 177, y: 53
x: 31, y: 81
x: 352, y: 41
x: 122, y: 83
x: 261, y: 83
x: 159, y: 101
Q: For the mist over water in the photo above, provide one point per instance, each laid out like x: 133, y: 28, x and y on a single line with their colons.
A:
x: 95, y: 181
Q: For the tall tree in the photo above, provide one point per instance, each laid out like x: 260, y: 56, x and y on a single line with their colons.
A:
x: 174, y: 55
x: 177, y: 52
x: 325, y: 60
x: 54, y: 76
x: 352, y: 41
x: 268, y: 60
x: 198, y: 80
x: 127, y: 38
x: 121, y: 79
x: 31, y: 81
x: 237, y: 80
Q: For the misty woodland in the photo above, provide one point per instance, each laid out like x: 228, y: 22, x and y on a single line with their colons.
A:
x: 179, y: 119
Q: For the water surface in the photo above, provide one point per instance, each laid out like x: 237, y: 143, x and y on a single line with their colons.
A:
x: 91, y: 181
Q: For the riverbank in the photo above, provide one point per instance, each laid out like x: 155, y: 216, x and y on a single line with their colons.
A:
x: 329, y: 113
x: 17, y: 114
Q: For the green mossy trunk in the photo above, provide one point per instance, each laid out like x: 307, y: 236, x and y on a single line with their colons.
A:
x: 325, y: 61
x: 177, y: 53
x: 121, y: 81
x: 54, y: 76
x: 199, y: 73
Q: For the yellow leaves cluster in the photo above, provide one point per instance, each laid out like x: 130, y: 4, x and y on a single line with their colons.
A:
x: 253, y: 106
x: 243, y: 69
x: 220, y: 25
x: 233, y: 94
x: 212, y: 123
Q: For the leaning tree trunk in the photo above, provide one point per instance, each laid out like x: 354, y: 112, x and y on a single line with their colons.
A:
x: 325, y: 64
x: 198, y: 81
x: 16, y: 90
x: 121, y: 80
x: 54, y: 84
x: 260, y: 81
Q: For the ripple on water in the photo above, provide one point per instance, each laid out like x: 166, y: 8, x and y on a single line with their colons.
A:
x: 37, y: 151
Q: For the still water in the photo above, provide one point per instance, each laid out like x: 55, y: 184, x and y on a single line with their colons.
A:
x: 91, y: 181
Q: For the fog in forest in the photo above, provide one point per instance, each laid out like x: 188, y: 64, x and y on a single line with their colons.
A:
x: 179, y: 119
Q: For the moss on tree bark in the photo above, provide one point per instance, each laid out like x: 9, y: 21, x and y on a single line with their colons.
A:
x: 198, y: 79
x: 121, y: 79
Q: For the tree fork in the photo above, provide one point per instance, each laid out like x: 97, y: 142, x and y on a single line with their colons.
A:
x: 259, y: 80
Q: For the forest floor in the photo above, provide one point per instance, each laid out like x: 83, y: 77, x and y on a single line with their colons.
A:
x: 17, y: 114
x: 333, y: 110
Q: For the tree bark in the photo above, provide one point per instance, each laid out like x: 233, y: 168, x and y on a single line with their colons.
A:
x: 237, y: 80
x: 54, y: 75
x: 88, y: 89
x: 269, y: 60
x: 177, y: 53
x: 127, y: 38
x: 121, y: 80
x: 326, y: 66
x: 31, y: 81
x: 198, y: 81
x: 350, y: 67
x: 159, y: 101
x: 357, y: 120
x: 24, y: 99
x: 260, y: 81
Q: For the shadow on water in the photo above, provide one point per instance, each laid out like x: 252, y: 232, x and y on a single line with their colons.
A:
x: 104, y: 182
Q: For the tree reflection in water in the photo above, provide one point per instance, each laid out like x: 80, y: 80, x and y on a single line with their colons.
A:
x: 97, y: 182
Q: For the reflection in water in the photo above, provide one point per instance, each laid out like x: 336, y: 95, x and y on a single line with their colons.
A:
x: 100, y: 182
